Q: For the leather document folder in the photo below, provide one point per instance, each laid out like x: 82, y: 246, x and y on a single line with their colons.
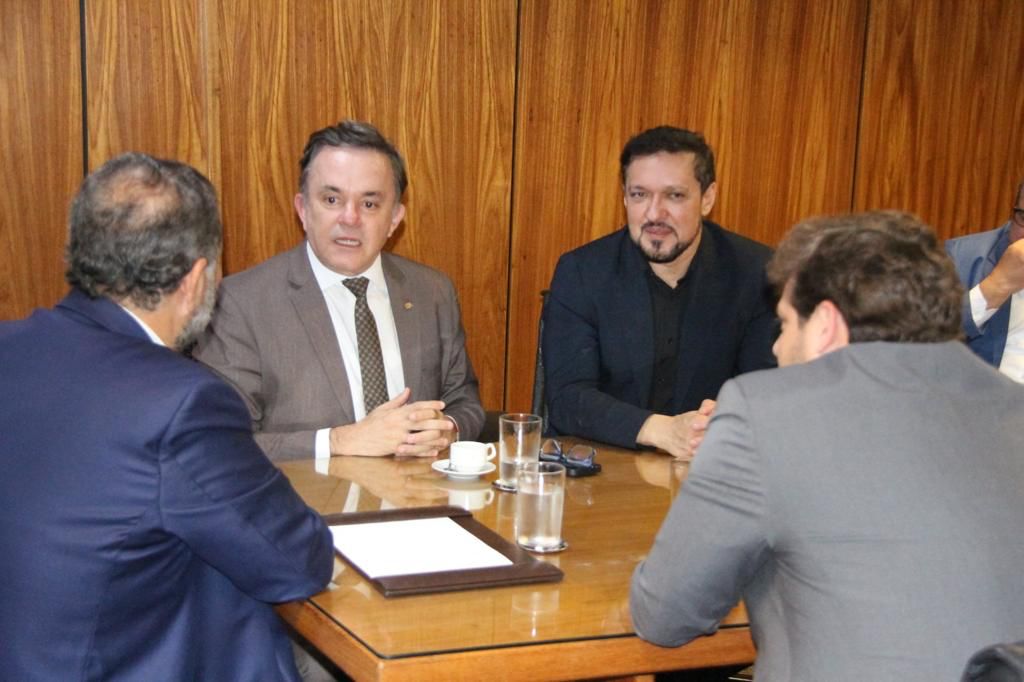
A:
x: 523, y: 569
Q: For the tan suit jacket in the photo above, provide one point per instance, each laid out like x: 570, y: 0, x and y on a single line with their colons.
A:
x: 272, y: 337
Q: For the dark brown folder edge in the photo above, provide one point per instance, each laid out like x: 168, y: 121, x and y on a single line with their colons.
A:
x: 524, y: 569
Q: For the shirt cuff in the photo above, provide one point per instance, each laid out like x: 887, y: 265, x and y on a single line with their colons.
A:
x: 322, y: 449
x: 980, y: 312
x: 452, y: 420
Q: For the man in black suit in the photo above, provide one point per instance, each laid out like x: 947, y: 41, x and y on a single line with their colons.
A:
x: 643, y: 326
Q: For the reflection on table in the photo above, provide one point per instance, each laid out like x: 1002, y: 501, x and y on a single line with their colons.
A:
x: 577, y: 628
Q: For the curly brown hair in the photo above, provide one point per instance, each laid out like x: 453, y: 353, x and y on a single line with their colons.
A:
x: 885, y: 271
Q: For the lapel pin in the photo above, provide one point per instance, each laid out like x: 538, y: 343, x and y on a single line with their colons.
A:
x: 408, y: 305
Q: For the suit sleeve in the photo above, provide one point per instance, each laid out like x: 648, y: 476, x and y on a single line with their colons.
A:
x: 237, y: 511
x: 713, y: 540
x: 460, y: 389
x: 231, y: 348
x: 572, y: 366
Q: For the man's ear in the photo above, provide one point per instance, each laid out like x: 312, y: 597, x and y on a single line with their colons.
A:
x: 193, y: 286
x: 707, y: 199
x: 300, y: 208
x: 830, y: 329
x: 396, y: 218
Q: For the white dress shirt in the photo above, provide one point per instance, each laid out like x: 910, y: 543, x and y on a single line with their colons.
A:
x: 341, y: 304
x: 145, y: 327
x: 1012, y: 364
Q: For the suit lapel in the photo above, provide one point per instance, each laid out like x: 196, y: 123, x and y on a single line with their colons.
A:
x: 312, y: 312
x: 407, y: 311
x: 630, y: 305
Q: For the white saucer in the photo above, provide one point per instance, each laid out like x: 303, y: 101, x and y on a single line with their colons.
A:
x: 441, y: 466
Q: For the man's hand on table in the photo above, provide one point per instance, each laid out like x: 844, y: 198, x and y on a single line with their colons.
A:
x: 679, y: 436
x: 416, y: 429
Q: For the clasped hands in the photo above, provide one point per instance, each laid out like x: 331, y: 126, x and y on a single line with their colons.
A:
x: 398, y: 427
x: 678, y: 435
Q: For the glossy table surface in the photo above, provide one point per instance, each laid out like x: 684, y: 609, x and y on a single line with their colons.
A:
x: 577, y: 628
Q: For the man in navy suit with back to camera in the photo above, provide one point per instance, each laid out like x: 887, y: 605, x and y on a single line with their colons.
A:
x: 145, y: 534
x: 643, y: 326
x: 991, y: 267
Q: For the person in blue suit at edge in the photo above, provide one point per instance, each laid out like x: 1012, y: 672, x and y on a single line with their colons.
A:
x: 145, y: 534
x: 991, y: 268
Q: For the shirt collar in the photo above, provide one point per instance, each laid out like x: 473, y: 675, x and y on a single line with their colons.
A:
x: 145, y: 327
x: 326, y: 278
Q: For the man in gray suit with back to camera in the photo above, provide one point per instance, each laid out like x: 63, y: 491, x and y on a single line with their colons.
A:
x: 340, y: 348
x: 864, y: 500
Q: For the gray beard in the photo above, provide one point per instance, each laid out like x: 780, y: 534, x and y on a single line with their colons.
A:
x: 201, y: 317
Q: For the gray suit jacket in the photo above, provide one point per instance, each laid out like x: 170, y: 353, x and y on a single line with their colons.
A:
x: 866, y: 506
x: 272, y: 337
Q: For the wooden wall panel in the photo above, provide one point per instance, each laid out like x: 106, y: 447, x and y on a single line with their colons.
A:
x: 234, y: 87
x: 437, y: 77
x: 147, y: 81
x: 943, y: 106
x: 41, y: 139
x: 773, y: 86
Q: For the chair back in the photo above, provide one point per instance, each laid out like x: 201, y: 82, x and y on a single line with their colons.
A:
x: 996, y: 663
x: 538, y: 405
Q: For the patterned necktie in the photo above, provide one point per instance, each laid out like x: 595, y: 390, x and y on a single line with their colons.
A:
x: 371, y: 362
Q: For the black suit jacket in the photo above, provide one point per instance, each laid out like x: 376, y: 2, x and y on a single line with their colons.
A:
x: 599, y: 332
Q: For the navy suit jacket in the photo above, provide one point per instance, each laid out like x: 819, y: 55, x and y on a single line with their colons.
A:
x: 145, y: 534
x: 599, y: 332
x: 975, y: 257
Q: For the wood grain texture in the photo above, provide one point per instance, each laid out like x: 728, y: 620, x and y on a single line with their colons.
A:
x: 436, y: 77
x: 773, y: 86
x: 41, y: 138
x: 941, y: 132
x: 577, y: 628
x: 147, y: 81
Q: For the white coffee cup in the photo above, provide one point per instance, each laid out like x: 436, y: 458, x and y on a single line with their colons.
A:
x: 470, y: 500
x: 468, y: 456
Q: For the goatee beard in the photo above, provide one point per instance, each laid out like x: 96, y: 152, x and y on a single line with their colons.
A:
x: 652, y: 252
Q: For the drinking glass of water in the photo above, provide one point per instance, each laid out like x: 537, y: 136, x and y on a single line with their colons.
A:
x: 539, y: 505
x: 519, y: 442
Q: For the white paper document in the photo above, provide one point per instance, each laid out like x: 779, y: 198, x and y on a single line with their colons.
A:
x: 388, y: 548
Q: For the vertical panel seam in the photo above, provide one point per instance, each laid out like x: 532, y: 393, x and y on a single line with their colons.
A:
x: 84, y: 88
x: 511, y: 203
x: 860, y: 108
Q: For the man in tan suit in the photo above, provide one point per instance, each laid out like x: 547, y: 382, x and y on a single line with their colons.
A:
x: 290, y: 335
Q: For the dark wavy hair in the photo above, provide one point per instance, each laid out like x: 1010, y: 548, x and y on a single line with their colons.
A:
x: 674, y: 141
x: 885, y: 271
x: 360, y: 136
x: 138, y: 224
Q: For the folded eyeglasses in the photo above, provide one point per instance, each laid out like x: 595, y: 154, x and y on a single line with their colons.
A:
x: 578, y: 460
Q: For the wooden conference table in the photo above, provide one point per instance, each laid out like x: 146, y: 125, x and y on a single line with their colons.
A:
x: 578, y: 628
